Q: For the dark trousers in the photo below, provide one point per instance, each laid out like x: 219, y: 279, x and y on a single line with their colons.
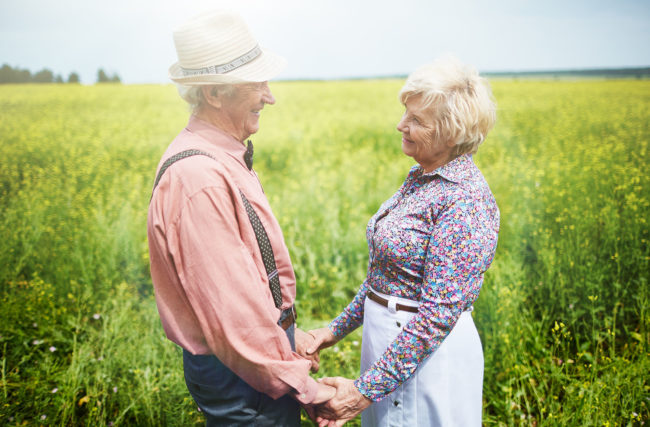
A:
x: 226, y: 400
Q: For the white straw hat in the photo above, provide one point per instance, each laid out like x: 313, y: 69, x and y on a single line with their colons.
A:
x: 218, y: 47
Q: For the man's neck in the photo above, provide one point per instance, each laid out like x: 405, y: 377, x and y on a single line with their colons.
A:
x: 220, y: 121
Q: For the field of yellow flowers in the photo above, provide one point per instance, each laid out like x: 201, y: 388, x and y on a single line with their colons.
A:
x: 563, y: 313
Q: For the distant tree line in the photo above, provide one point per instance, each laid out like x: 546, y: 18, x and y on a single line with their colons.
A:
x: 606, y: 73
x: 9, y: 74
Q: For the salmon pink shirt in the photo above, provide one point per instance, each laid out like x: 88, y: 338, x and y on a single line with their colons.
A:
x: 211, y: 287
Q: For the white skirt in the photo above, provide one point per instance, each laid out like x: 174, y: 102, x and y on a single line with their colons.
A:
x: 445, y: 390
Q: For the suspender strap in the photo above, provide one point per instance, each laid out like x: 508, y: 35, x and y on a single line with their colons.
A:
x: 173, y: 159
x: 260, y: 233
x: 267, y: 251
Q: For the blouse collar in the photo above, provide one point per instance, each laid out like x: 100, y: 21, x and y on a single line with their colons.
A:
x: 455, y: 171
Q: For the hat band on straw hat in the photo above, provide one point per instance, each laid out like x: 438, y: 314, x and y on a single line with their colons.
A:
x: 224, y: 68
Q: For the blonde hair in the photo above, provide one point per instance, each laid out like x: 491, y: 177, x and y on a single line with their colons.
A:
x: 193, y: 95
x: 465, y: 110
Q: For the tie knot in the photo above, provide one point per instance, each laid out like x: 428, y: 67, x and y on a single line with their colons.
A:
x: 248, y: 155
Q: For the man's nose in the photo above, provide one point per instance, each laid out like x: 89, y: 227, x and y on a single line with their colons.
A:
x: 267, y: 96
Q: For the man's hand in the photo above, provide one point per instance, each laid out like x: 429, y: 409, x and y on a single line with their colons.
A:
x: 304, y: 342
x: 347, y: 404
x: 323, y: 394
x: 323, y: 338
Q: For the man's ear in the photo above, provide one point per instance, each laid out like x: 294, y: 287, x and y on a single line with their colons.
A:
x: 212, y: 96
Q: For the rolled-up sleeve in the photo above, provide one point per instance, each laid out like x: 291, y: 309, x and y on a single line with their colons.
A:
x: 229, y: 298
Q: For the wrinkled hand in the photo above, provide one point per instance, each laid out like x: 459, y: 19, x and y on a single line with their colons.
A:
x: 323, y: 338
x: 304, y: 342
x: 345, y: 405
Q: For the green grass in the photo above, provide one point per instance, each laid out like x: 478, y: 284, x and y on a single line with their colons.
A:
x: 562, y: 314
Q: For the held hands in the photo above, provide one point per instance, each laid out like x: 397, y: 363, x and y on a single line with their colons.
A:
x: 337, y: 400
x: 309, y: 344
x: 345, y: 405
x: 323, y: 338
x: 304, y: 342
x: 324, y: 394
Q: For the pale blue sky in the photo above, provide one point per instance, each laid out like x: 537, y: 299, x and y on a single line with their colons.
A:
x: 331, y: 38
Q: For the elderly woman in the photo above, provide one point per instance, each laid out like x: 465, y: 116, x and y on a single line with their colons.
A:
x: 429, y: 244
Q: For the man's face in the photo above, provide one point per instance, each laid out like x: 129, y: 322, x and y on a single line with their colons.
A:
x: 244, y: 106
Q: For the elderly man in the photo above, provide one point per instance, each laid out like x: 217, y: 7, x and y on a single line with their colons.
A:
x: 223, y: 279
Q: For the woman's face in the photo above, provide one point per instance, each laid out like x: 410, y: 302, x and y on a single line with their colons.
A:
x: 418, y: 141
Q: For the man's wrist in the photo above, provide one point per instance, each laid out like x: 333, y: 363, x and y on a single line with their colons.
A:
x: 307, y: 393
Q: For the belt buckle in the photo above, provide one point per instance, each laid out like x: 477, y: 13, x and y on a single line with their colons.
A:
x: 290, y: 319
x: 392, y: 304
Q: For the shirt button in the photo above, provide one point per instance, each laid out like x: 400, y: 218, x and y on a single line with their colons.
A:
x: 399, y: 325
x: 396, y: 403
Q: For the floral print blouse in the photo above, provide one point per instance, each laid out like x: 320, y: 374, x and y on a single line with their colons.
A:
x: 430, y: 242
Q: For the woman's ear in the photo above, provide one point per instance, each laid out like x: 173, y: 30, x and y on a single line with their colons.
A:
x: 212, y: 96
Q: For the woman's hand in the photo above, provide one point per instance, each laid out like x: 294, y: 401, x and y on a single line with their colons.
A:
x: 323, y: 338
x: 347, y: 404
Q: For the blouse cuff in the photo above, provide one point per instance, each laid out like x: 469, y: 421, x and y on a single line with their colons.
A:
x: 365, y: 387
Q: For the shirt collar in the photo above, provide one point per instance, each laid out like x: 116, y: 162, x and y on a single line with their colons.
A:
x: 455, y: 171
x: 217, y: 138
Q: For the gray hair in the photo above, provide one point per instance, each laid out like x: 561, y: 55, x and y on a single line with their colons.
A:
x: 465, y: 110
x: 193, y: 95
